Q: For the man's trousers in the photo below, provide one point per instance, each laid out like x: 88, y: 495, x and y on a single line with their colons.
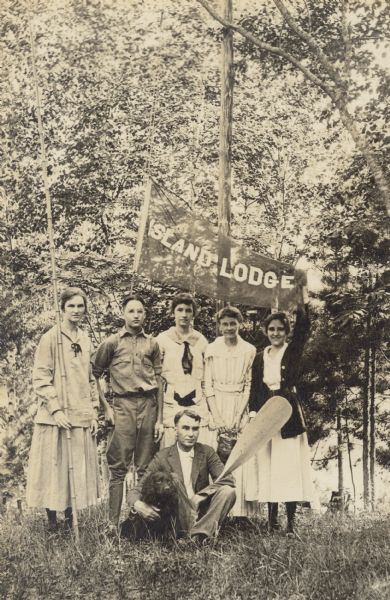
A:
x: 219, y: 498
x: 133, y: 435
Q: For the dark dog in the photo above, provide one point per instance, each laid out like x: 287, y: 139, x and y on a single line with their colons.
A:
x: 159, y: 490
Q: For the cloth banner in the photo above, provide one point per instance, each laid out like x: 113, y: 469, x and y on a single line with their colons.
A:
x: 181, y: 249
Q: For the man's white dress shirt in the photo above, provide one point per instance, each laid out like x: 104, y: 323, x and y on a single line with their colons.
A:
x: 186, y: 459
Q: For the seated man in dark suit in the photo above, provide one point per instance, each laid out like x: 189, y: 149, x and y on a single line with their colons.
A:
x: 202, y: 506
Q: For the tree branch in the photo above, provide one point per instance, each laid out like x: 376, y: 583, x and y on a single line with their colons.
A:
x: 308, y: 14
x: 272, y: 49
x: 346, y: 35
x: 365, y: 150
x: 336, y: 95
x: 310, y: 41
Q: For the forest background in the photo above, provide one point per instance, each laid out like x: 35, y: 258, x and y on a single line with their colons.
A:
x: 133, y: 87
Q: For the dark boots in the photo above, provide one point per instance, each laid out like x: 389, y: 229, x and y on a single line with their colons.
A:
x: 272, y: 516
x: 273, y: 524
x: 52, y: 519
x: 68, y: 521
x: 291, y: 508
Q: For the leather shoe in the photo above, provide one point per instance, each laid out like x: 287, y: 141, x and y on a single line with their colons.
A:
x: 200, y: 539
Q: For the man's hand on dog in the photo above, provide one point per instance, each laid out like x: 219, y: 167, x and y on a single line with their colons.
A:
x: 146, y: 511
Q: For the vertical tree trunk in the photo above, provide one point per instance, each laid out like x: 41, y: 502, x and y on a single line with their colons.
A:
x: 366, y: 391
x: 340, y: 465
x: 350, y: 463
x: 225, y: 133
x: 372, y: 425
x: 225, y: 146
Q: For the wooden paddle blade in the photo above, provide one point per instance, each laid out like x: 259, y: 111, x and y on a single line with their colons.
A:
x: 268, y: 421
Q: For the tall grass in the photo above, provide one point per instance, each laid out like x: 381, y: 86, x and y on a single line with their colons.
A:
x: 335, y: 558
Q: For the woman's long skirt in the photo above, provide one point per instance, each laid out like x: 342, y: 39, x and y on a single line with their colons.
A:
x: 284, y: 470
x: 48, y: 471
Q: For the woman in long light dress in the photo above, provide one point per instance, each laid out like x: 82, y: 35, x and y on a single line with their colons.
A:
x: 48, y: 483
x: 227, y: 381
x: 182, y: 352
x: 284, y: 463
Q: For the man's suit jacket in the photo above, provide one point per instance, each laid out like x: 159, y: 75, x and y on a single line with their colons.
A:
x: 206, y: 463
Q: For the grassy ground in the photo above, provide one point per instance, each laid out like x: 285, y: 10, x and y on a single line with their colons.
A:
x: 336, y: 558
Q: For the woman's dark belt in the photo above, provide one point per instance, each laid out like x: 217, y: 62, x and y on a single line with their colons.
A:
x: 296, y: 423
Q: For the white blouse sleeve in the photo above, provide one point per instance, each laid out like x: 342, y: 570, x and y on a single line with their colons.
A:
x: 208, y: 376
x: 248, y: 376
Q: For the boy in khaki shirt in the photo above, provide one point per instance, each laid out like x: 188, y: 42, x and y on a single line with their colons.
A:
x: 133, y: 360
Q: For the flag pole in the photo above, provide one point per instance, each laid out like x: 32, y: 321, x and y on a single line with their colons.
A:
x: 225, y: 136
x: 50, y: 232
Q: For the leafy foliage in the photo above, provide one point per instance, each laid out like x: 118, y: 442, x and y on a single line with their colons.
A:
x: 130, y: 88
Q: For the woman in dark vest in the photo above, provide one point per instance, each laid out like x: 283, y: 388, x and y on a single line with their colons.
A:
x: 284, y: 463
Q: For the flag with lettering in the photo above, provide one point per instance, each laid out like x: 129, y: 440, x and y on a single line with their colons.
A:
x: 184, y: 250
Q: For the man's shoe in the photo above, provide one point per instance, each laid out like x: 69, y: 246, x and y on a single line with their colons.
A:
x: 200, y: 539
x: 293, y: 535
x: 184, y: 542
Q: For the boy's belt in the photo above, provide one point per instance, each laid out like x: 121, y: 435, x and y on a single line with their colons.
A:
x: 139, y: 392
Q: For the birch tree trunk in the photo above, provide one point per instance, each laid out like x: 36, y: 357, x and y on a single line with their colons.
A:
x: 372, y: 415
x: 366, y: 392
x: 225, y: 142
x: 349, y: 447
x: 340, y: 465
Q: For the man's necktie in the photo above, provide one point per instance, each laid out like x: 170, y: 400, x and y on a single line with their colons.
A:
x: 187, y: 359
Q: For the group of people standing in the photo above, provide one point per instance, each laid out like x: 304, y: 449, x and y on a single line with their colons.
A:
x: 160, y: 386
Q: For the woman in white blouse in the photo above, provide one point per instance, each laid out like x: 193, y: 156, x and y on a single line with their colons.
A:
x: 284, y: 463
x: 182, y: 351
x: 227, y: 383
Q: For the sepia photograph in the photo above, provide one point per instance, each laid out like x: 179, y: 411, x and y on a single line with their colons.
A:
x: 194, y: 300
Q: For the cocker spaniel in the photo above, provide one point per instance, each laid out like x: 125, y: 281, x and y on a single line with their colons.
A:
x: 158, y: 490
